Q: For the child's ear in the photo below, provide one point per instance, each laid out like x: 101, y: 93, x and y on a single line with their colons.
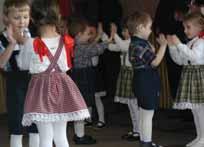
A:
x: 139, y: 27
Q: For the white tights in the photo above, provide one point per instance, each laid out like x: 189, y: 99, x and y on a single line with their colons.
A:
x: 134, y: 114
x: 146, y: 124
x: 50, y: 132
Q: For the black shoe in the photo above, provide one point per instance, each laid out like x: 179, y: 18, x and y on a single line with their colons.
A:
x: 100, y: 125
x: 131, y: 136
x: 149, y: 144
x: 88, y: 123
x: 84, y: 140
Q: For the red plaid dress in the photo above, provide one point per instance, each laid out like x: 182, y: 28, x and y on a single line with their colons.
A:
x: 52, y: 96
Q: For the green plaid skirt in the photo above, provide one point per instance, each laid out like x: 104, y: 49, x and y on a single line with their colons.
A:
x: 190, y: 93
x: 124, y: 84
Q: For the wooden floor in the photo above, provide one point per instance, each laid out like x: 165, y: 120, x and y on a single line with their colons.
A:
x: 170, y: 130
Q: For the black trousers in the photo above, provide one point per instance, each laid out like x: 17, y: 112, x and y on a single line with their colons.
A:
x: 16, y: 86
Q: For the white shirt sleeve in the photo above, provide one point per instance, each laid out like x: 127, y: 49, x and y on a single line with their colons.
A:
x: 114, y: 47
x: 24, y: 57
x: 195, y: 53
x: 176, y: 56
x: 123, y: 44
x: 104, y: 37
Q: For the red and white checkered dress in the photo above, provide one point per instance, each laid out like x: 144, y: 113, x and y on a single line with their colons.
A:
x: 52, y: 96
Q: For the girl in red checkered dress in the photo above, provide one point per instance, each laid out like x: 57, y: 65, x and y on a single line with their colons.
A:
x: 52, y: 97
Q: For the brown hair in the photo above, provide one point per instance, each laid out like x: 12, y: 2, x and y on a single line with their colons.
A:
x: 45, y: 12
x: 9, y: 4
x: 77, y: 25
x: 195, y: 17
x: 136, y: 19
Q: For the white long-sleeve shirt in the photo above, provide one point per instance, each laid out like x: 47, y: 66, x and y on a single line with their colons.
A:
x: 121, y: 46
x: 192, y: 53
x: 29, y: 60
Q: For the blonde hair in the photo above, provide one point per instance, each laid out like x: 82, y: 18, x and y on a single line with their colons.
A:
x: 11, y: 4
x: 136, y: 19
x: 196, y: 17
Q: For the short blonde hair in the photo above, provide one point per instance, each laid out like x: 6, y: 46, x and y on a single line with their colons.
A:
x: 136, y: 19
x: 10, y: 4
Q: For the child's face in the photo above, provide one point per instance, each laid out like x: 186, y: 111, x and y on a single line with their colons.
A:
x: 146, y: 30
x: 192, y: 29
x: 85, y: 36
x: 93, y: 33
x: 125, y: 33
x: 19, y: 18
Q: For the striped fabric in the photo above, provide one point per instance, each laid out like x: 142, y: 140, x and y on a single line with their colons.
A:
x: 53, y: 96
x: 190, y: 92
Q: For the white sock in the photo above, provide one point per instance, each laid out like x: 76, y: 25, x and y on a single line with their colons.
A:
x: 146, y: 124
x: 79, y: 128
x: 46, y: 134
x: 200, y: 142
x: 197, y: 126
x: 34, y: 140
x: 16, y: 140
x: 60, y: 134
x: 100, y: 108
x: 134, y: 114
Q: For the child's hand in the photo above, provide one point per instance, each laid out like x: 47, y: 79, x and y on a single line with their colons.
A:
x: 162, y: 40
x: 10, y: 34
x: 172, y: 40
x: 113, y: 28
x: 175, y: 40
x: 100, y: 28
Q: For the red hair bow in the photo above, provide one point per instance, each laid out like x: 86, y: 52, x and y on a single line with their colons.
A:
x: 40, y: 48
x: 201, y: 35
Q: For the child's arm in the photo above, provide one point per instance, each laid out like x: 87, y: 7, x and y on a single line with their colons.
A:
x: 122, y: 44
x: 160, y: 54
x: 26, y: 51
x: 6, y: 54
x: 193, y: 54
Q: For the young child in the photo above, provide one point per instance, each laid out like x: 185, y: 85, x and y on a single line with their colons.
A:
x: 12, y: 40
x: 83, y: 71
x: 124, y: 93
x: 146, y: 82
x: 52, y: 98
x: 99, y: 86
x: 190, y: 94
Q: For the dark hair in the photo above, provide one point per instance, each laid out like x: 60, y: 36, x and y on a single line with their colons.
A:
x: 196, y: 17
x: 77, y: 25
x: 45, y: 12
x: 8, y: 4
x: 136, y: 19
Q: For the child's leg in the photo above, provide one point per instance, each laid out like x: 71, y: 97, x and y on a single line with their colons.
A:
x: 100, y: 108
x: 33, y: 136
x: 200, y: 113
x: 60, y: 134
x: 46, y: 134
x: 16, y: 140
x: 146, y: 124
x: 34, y: 140
x: 79, y: 128
x: 134, y: 114
x: 197, y: 126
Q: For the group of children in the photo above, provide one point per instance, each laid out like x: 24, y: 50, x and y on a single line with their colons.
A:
x: 55, y: 96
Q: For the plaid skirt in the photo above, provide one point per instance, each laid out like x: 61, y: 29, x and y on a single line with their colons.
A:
x: 190, y: 93
x: 124, y: 89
